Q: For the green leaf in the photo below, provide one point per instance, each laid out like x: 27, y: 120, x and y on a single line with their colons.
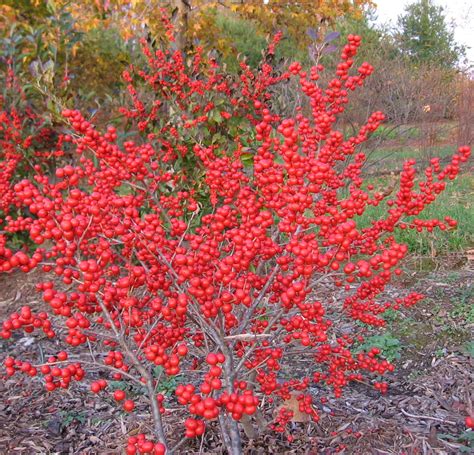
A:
x: 216, y: 117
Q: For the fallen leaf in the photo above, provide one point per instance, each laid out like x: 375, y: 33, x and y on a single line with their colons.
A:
x: 293, y: 405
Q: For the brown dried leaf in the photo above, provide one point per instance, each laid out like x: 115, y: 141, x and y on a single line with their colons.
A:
x: 292, y: 404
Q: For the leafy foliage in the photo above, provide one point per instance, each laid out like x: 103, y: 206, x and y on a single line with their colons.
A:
x: 390, y: 346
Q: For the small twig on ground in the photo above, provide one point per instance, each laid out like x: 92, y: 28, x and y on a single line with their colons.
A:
x: 437, y: 419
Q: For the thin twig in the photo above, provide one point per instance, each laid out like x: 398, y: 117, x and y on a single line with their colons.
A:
x: 437, y: 419
x: 143, y: 371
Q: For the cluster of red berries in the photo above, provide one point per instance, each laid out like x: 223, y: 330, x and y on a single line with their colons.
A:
x: 306, y: 406
x: 27, y: 321
x: 55, y: 376
x: 382, y: 386
x: 11, y: 365
x: 98, y: 386
x: 157, y: 354
x: 238, y: 404
x: 61, y: 377
x: 194, y: 427
x: 115, y: 359
x: 22, y: 136
x: 139, y: 444
x: 282, y: 419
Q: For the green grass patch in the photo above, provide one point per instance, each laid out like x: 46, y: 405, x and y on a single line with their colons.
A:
x: 456, y: 201
x: 404, y: 132
x: 391, y: 159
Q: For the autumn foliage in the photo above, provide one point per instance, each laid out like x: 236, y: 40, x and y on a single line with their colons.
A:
x: 218, y: 258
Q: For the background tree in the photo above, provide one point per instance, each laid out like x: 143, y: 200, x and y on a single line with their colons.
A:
x: 196, y: 19
x: 295, y: 17
x: 425, y: 36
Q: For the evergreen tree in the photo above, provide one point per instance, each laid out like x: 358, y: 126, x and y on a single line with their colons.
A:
x: 425, y: 36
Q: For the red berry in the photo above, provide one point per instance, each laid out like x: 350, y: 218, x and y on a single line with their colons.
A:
x: 128, y: 405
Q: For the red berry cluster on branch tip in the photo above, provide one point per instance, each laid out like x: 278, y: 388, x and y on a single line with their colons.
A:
x: 55, y: 374
x: 210, y: 271
x: 140, y: 444
x: 27, y: 321
x: 194, y: 427
x: 281, y: 421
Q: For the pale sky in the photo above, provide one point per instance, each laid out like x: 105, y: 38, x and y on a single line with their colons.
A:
x: 459, y: 11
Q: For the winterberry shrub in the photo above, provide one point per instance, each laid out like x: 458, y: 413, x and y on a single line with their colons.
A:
x: 246, y: 297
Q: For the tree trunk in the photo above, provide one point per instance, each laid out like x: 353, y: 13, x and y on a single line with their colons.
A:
x: 181, y: 13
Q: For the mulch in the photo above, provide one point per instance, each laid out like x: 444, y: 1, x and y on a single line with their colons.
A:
x: 423, y: 412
